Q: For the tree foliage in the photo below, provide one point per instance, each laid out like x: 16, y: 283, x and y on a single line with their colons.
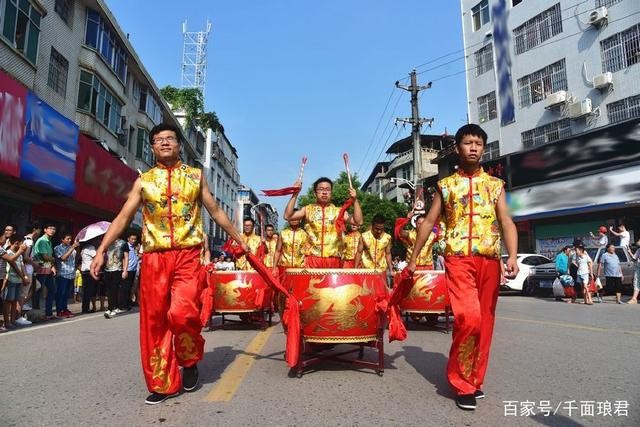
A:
x: 191, y: 101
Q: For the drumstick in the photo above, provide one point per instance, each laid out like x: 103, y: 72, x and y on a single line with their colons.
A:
x: 304, y: 162
x: 345, y: 156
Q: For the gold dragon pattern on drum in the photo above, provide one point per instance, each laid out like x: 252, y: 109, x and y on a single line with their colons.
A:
x: 229, y: 292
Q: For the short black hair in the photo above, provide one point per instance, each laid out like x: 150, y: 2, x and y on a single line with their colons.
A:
x: 471, y: 129
x: 161, y: 128
x: 15, y: 238
x: 610, y: 244
x: 269, y: 225
x: 49, y: 224
x: 35, y: 225
x: 248, y: 218
x: 378, y: 219
x: 565, y: 248
x: 67, y: 233
x: 320, y: 181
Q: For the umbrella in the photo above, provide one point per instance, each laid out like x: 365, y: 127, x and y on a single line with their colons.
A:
x: 93, y: 230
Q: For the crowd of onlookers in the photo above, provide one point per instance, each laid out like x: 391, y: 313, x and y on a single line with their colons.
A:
x: 43, y: 264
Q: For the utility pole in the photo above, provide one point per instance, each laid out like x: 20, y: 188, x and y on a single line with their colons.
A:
x: 416, y: 124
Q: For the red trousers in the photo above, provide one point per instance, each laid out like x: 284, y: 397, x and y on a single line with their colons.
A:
x: 320, y: 262
x: 349, y: 263
x: 473, y: 284
x: 169, y: 316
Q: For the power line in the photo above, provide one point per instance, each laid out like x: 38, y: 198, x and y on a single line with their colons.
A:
x: 376, y: 130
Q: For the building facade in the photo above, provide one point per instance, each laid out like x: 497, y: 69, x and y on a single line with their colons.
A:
x: 556, y: 86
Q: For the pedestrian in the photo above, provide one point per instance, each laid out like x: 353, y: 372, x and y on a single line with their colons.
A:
x: 585, y: 273
x: 9, y: 230
x: 636, y: 275
x: 472, y: 255
x: 89, y: 284
x: 30, y: 265
x: 46, y: 270
x: 610, y: 264
x: 132, y: 271
x: 320, y: 218
x: 171, y: 195
x: 15, y: 278
x: 65, y: 255
x: 623, y: 234
x: 77, y: 286
x: 562, y: 265
x: 115, y: 273
x: 603, y: 240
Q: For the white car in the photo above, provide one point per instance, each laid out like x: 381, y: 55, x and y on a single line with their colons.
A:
x: 521, y: 281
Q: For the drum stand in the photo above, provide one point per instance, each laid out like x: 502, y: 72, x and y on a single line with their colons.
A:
x: 319, y: 355
x: 264, y: 321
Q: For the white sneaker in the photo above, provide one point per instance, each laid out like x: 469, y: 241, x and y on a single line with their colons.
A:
x: 109, y: 314
x: 22, y: 321
x: 117, y: 311
x: 26, y: 306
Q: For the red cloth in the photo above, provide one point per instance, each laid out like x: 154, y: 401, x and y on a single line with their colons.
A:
x: 311, y: 261
x: 170, y: 289
x: 281, y: 191
x: 340, y: 225
x: 400, y: 224
x: 397, y: 329
x: 473, y: 283
x: 291, y: 317
x: 349, y: 263
x: 207, y: 295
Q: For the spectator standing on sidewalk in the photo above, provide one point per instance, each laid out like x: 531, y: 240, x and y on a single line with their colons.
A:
x: 89, y: 284
x: 30, y: 264
x: 8, y: 260
x: 15, y: 278
x: 585, y: 273
x: 603, y: 240
x: 115, y: 273
x: 623, y: 234
x: 132, y: 270
x: 46, y: 270
x: 610, y: 263
x: 9, y: 230
x: 636, y: 275
x: 65, y: 255
x: 562, y: 264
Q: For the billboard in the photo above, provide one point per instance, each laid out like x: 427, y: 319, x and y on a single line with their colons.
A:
x: 13, y: 99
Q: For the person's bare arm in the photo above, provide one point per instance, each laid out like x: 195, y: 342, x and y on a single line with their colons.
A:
x: 118, y: 226
x: 69, y: 251
x: 289, y: 211
x: 207, y: 251
x: 358, y: 259
x: 125, y: 264
x: 219, y: 216
x: 357, y: 210
x: 425, y: 229
x: 509, y: 234
x: 615, y: 233
x: 276, y: 260
x: 388, y: 256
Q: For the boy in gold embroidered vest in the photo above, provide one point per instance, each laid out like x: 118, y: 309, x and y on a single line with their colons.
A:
x: 325, y: 241
x: 351, y: 241
x: 252, y: 240
x: 291, y: 247
x: 424, y: 260
x: 270, y: 243
x: 374, y: 248
x: 171, y: 195
x: 475, y: 210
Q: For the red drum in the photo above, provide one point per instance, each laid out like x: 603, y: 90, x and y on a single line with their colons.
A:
x: 429, y: 293
x: 337, y: 305
x: 240, y: 292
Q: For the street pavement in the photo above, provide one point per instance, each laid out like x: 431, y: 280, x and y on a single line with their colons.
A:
x: 86, y: 371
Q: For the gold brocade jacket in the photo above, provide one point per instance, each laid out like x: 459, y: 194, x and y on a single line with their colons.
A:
x: 374, y: 250
x: 270, y: 256
x: 320, y: 225
x: 253, y: 241
x: 350, y: 245
x: 294, y: 246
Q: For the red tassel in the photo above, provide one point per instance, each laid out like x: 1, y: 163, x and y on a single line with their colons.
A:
x: 281, y: 191
x: 397, y: 329
x: 400, y: 224
x: 340, y: 225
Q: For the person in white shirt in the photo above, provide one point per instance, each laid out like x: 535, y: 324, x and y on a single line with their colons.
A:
x: 624, y: 236
x: 585, y: 272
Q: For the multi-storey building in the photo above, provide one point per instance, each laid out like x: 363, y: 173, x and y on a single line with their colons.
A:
x: 76, y: 108
x: 556, y: 85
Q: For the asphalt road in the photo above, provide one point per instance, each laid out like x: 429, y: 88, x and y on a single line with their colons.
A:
x: 85, y: 371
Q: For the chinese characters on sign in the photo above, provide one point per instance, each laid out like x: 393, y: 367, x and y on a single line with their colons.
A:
x: 569, y: 408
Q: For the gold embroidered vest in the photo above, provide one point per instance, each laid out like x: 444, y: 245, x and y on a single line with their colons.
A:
x: 253, y: 241
x: 294, y: 245
x: 350, y: 245
x: 320, y: 225
x: 375, y: 250
x: 425, y: 257
x: 171, y: 208
x: 270, y: 257
x: 471, y: 223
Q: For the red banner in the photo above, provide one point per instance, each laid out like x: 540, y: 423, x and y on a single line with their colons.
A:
x: 12, y: 115
x: 101, y: 180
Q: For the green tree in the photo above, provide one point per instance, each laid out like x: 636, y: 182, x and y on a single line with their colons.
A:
x: 191, y: 101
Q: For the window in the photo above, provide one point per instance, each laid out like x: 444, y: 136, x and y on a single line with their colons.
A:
x: 21, y: 27
x: 548, y: 133
x: 625, y: 109
x: 538, y: 29
x: 487, y: 107
x: 514, y: 3
x: 491, y: 151
x: 406, y: 172
x: 537, y: 86
x: 64, y: 8
x: 147, y: 103
x: 480, y: 14
x: 143, y: 149
x: 58, y: 70
x: 484, y: 59
x: 103, y: 38
x: 95, y: 98
x: 621, y: 50
x: 606, y: 3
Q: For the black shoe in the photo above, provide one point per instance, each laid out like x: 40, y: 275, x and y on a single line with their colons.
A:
x: 190, y: 378
x: 466, y: 402
x: 479, y: 394
x: 155, y: 398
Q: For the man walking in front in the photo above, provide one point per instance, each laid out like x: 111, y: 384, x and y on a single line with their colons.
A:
x: 474, y: 207
x: 171, y: 195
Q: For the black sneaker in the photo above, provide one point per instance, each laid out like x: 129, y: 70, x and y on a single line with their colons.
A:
x: 155, y: 398
x: 466, y: 402
x: 190, y: 378
x: 479, y: 394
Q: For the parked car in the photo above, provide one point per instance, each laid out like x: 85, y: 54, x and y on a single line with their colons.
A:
x: 521, y: 282
x: 542, y: 276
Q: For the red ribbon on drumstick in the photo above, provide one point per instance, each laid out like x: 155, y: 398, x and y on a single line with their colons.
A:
x: 340, y: 224
x: 287, y: 190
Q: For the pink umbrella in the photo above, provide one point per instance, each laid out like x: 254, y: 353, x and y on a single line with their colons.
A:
x: 93, y: 230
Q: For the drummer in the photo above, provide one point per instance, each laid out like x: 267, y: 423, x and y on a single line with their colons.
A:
x: 291, y: 246
x: 374, y: 248
x: 270, y: 242
x: 351, y: 240
x: 424, y: 260
x: 325, y: 241
x: 252, y: 240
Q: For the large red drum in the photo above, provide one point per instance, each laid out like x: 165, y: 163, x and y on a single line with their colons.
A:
x: 429, y: 293
x: 239, y: 292
x: 337, y: 305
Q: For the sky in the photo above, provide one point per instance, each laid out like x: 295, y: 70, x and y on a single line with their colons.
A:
x: 289, y: 78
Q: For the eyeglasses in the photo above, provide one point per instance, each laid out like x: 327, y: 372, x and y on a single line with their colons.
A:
x: 323, y: 190
x: 169, y: 139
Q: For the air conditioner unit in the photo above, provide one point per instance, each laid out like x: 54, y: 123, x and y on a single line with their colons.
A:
x: 556, y: 98
x: 121, y: 131
x: 598, y: 16
x: 580, y: 109
x: 602, y: 81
